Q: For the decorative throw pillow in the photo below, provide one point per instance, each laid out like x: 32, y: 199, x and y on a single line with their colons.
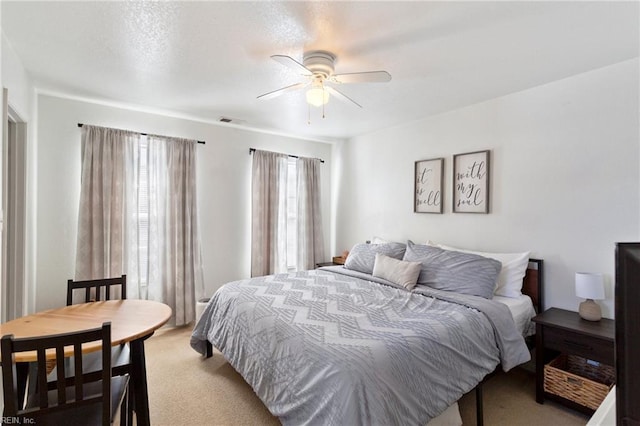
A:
x: 464, y: 273
x: 362, y: 257
x: 514, y: 267
x: 397, y: 271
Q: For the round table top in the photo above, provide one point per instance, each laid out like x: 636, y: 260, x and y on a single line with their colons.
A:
x: 130, y: 319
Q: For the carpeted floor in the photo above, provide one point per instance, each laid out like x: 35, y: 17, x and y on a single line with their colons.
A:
x: 187, y: 389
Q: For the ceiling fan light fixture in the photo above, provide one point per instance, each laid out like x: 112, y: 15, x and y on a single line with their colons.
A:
x: 318, y: 69
x: 317, y: 96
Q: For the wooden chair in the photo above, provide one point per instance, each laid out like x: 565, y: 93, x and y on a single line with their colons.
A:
x: 121, y: 358
x: 83, y: 399
x: 97, y: 285
x: 96, y: 290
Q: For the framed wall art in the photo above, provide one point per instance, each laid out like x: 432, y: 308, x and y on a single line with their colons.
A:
x: 427, y: 196
x: 471, y: 182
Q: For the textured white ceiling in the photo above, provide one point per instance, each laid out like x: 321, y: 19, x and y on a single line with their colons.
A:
x: 211, y: 59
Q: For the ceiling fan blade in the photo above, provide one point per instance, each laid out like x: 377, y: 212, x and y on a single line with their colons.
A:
x: 288, y: 61
x: 341, y: 95
x: 276, y: 93
x: 362, y: 77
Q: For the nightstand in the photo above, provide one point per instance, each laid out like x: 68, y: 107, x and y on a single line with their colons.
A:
x: 335, y: 261
x: 319, y: 265
x: 561, y: 331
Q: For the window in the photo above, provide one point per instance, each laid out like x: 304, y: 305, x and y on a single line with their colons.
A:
x: 143, y: 211
x: 292, y: 215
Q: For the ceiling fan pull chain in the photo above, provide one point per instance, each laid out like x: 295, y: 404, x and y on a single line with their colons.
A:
x: 324, y: 103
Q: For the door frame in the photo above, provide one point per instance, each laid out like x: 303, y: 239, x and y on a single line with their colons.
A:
x: 13, y: 214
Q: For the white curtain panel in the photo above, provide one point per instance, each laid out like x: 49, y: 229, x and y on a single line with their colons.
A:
x: 268, y: 213
x: 101, y: 247
x: 310, y: 236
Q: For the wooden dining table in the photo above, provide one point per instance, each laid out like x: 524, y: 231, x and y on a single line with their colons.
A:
x: 132, y: 321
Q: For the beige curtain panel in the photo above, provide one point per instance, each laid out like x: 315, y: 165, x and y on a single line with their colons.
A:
x: 268, y: 213
x: 309, y: 229
x: 101, y: 246
x: 175, y: 265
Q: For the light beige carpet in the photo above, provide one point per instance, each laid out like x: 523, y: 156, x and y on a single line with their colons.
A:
x: 188, y: 389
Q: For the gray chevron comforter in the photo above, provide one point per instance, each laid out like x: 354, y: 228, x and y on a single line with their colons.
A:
x: 324, y: 348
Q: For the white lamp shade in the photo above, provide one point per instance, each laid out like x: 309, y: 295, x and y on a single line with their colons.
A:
x: 317, y: 96
x: 589, y: 286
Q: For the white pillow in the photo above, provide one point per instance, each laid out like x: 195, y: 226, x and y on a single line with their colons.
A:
x: 378, y: 240
x: 514, y: 267
x: 397, y: 271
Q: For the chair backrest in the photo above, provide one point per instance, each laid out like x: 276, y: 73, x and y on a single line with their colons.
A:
x: 97, y: 286
x: 47, y: 404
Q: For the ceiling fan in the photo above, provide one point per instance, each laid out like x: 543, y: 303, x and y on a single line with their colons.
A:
x: 318, y: 67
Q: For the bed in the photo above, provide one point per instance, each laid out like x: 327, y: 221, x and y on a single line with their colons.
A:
x: 340, y: 345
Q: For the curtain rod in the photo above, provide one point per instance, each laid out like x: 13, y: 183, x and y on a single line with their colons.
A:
x: 251, y: 150
x: 143, y: 134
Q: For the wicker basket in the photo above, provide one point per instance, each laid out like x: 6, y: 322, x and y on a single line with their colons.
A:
x: 575, y: 379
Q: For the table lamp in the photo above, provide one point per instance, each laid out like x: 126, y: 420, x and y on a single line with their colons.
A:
x: 590, y: 287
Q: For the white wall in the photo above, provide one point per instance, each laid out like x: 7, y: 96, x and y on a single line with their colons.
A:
x: 223, y: 178
x: 565, y: 177
x: 22, y: 100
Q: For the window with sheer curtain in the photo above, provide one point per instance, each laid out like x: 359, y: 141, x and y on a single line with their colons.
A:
x: 138, y: 216
x: 286, y: 216
x: 292, y: 214
x: 141, y: 220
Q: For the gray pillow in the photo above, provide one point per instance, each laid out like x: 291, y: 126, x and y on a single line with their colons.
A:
x: 454, y: 271
x: 362, y: 257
